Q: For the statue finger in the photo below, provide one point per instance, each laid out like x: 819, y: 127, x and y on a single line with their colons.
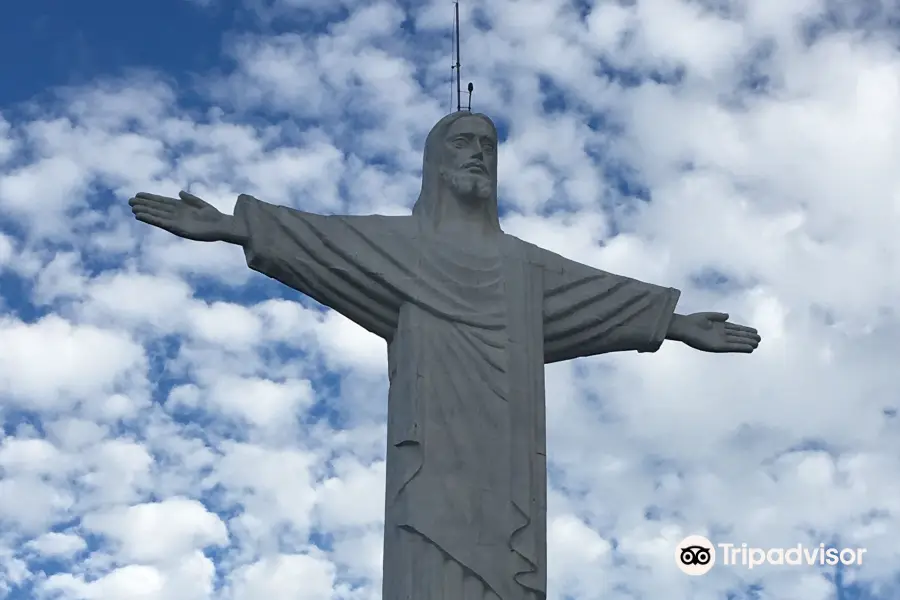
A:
x: 736, y: 327
x: 740, y: 347
x: 152, y: 220
x: 141, y: 204
x: 155, y: 198
x: 739, y: 335
x: 191, y: 199
x: 744, y: 341
x: 151, y: 211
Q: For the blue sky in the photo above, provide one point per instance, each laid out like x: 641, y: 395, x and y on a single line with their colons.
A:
x: 71, y: 45
x: 177, y: 427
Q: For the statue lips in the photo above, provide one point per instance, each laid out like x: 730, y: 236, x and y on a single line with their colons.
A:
x: 475, y: 165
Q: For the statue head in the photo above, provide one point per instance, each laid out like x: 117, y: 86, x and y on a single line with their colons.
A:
x: 459, y: 171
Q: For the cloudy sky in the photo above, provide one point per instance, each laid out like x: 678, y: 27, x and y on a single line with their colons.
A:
x: 177, y: 427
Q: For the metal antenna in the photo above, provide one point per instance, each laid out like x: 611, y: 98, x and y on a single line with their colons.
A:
x: 456, y: 66
x: 456, y: 27
x: 452, y: 65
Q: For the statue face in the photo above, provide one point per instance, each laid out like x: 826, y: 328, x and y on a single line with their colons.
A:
x: 470, y: 159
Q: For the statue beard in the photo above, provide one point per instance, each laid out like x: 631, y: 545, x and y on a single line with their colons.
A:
x: 468, y: 186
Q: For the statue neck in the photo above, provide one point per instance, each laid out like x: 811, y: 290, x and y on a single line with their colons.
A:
x: 464, y: 216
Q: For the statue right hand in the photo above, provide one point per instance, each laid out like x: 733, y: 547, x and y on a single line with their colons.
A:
x: 190, y: 217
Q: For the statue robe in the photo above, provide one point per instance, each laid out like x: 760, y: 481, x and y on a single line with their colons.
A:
x: 469, y: 330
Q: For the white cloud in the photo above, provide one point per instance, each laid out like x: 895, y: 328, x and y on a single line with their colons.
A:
x: 270, y: 405
x: 32, y: 505
x: 159, y: 532
x: 295, y: 575
x: 52, y: 363
x: 338, y: 505
x: 274, y: 489
x: 190, y: 579
x: 57, y: 544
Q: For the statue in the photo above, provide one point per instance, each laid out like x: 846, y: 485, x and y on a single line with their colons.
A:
x: 470, y: 315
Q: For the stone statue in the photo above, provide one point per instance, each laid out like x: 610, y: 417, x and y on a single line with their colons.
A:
x: 470, y: 315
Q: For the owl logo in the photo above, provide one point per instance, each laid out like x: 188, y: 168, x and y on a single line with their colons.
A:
x: 695, y: 555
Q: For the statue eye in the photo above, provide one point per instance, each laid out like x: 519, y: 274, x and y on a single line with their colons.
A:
x: 459, y: 142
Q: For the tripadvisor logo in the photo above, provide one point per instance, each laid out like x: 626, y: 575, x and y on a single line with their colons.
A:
x: 696, y: 555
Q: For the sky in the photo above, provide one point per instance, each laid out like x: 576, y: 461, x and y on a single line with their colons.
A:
x: 178, y: 427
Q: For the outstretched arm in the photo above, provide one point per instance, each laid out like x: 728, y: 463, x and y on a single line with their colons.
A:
x: 190, y: 218
x: 712, y: 332
x: 234, y: 231
x: 352, y: 264
x: 588, y: 311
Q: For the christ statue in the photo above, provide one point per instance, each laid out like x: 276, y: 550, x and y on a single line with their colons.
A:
x: 470, y: 315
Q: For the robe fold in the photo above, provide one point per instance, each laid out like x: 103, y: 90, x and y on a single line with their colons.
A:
x: 469, y: 330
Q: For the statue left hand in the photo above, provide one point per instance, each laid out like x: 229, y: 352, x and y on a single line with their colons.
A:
x: 711, y: 332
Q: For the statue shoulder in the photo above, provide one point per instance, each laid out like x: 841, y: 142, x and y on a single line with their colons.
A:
x: 401, y: 223
x: 532, y: 253
x: 381, y: 227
